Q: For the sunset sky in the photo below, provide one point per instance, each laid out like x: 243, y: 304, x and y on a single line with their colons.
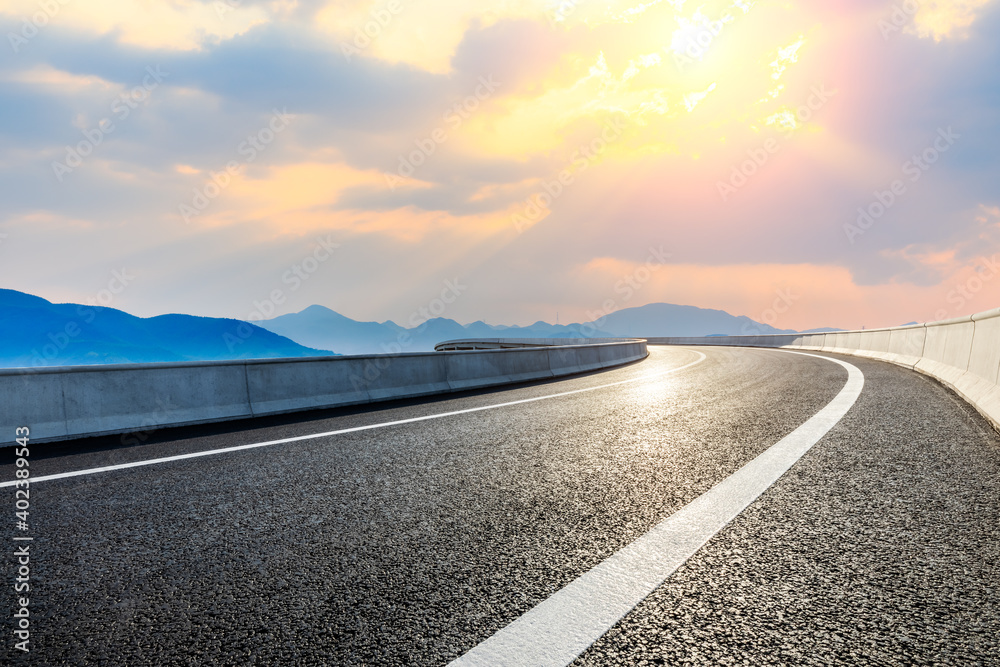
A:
x: 839, y: 158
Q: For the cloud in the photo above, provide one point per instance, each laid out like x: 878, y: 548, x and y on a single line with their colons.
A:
x: 947, y: 19
x: 421, y: 170
x: 156, y: 24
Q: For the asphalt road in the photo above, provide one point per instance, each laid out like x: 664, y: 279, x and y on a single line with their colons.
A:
x: 414, y: 543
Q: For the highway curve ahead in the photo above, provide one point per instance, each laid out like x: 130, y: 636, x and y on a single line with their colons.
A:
x: 416, y: 542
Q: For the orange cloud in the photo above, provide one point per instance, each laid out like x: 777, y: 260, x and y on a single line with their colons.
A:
x: 302, y: 198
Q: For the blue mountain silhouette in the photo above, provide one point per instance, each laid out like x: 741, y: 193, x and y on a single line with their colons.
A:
x: 36, y: 332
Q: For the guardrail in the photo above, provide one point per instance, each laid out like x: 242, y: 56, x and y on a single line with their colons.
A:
x: 962, y: 353
x: 79, y: 401
x: 515, y: 343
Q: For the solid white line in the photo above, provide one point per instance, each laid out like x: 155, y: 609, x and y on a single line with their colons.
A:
x: 270, y: 443
x: 562, y: 627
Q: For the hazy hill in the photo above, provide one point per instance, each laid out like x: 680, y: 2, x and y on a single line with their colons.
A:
x: 35, y: 332
x: 318, y: 326
x: 665, y: 319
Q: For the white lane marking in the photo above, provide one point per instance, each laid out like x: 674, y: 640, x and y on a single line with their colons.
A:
x: 562, y: 627
x: 270, y: 443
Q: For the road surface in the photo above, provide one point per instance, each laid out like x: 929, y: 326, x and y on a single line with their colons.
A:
x: 413, y: 533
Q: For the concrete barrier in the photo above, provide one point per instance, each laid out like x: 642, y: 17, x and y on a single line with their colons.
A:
x: 962, y: 353
x: 60, y: 403
x: 563, y: 356
x: 906, y: 345
x: 947, y: 349
x: 771, y: 340
x: 466, y: 344
x: 982, y: 382
x: 81, y: 401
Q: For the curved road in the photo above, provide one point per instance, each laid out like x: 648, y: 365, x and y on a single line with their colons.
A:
x: 406, y: 537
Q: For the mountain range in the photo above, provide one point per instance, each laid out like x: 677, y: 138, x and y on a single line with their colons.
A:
x: 36, y: 332
x: 318, y: 326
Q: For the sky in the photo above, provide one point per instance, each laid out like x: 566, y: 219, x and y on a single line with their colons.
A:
x: 806, y: 164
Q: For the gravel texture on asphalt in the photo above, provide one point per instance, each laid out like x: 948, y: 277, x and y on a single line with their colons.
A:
x: 880, y: 547
x: 411, y: 544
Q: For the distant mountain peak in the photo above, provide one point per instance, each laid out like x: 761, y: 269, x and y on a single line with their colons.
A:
x: 320, y: 327
x: 316, y: 308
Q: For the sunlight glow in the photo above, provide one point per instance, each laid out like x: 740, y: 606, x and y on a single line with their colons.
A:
x: 786, y: 56
x: 691, y: 100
